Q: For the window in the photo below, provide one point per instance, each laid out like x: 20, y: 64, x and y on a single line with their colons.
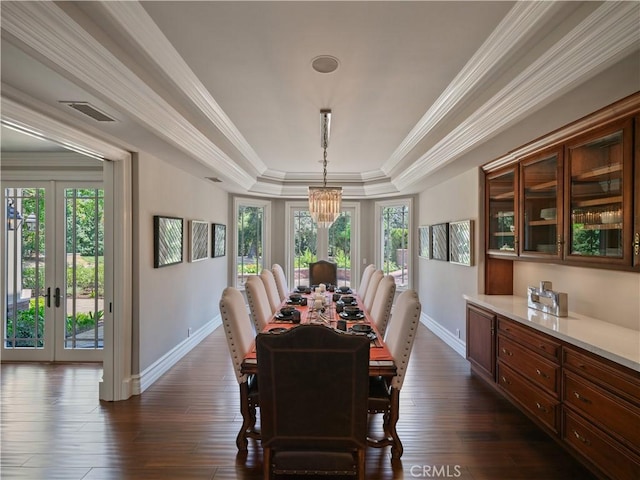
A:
x: 308, y: 243
x: 252, y: 234
x: 393, y: 240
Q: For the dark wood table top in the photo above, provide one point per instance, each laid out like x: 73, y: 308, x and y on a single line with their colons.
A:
x: 380, y: 359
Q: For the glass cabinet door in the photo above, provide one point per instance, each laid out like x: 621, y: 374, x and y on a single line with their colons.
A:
x: 600, y: 198
x: 541, y: 203
x: 501, y: 215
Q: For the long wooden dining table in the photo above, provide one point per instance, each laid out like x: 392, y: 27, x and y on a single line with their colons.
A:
x: 381, y: 362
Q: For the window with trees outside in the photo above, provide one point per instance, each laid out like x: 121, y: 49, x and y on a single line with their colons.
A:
x: 310, y: 243
x: 393, y: 241
x: 251, y: 238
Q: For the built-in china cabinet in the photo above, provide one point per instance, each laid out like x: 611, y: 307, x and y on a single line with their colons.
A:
x: 570, y: 198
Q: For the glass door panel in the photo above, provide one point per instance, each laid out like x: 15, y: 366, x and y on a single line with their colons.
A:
x: 305, y: 246
x: 542, y: 212
x: 597, y: 197
x: 340, y: 247
x: 502, y: 212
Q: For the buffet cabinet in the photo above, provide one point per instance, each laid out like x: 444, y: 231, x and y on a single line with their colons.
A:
x: 589, y: 404
x: 571, y: 199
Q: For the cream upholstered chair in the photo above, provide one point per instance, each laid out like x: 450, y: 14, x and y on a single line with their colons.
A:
x: 237, y: 328
x: 272, y: 290
x: 382, y: 302
x: 281, y: 281
x: 258, y: 302
x: 364, y: 280
x: 370, y: 295
x: 384, y: 396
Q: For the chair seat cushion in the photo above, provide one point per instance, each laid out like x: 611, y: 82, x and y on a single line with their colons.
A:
x: 379, y: 397
x: 313, y: 463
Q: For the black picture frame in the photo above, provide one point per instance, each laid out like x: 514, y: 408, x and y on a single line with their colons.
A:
x: 218, y: 240
x: 168, y: 241
x: 440, y: 242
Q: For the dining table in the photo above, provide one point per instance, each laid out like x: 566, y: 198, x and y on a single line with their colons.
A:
x: 381, y: 362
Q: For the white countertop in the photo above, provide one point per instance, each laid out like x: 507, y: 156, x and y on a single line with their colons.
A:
x: 619, y: 344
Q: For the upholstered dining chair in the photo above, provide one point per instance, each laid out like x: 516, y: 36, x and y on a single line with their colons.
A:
x: 281, y: 281
x: 258, y: 300
x: 372, y: 287
x: 364, y: 279
x: 313, y: 401
x: 384, y: 396
x: 237, y: 328
x: 382, y: 302
x: 272, y: 289
x: 323, y: 271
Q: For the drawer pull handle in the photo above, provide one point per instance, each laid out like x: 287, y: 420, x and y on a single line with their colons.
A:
x: 581, y: 438
x: 542, y: 374
x: 581, y: 398
x: 504, y: 380
x: 541, y: 408
x: 542, y: 347
x: 582, y: 365
x: 507, y: 352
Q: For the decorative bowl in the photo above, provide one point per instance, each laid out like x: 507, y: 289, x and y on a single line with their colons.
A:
x: 548, y: 213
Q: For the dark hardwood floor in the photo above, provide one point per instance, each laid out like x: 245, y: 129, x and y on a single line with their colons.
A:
x: 184, y: 426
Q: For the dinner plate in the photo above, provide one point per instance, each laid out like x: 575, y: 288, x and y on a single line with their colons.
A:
x: 280, y: 316
x: 294, y: 302
x: 357, y: 316
x: 278, y: 330
x: 362, y: 328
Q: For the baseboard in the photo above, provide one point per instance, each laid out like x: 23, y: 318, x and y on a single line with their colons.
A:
x: 148, y: 377
x: 445, y: 335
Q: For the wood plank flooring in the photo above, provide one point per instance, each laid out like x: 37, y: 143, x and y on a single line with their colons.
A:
x: 184, y: 426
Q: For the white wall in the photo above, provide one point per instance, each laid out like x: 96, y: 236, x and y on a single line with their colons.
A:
x: 442, y: 284
x: 178, y: 297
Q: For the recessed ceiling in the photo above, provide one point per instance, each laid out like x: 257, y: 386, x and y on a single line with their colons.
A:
x: 227, y: 89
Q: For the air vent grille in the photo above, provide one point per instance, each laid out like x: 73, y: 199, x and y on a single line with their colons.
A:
x: 214, y: 179
x: 90, y: 111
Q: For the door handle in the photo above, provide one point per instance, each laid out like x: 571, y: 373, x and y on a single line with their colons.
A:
x: 57, y: 296
x: 48, y: 296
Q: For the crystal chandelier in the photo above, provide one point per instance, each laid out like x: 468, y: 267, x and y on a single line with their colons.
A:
x: 325, y: 202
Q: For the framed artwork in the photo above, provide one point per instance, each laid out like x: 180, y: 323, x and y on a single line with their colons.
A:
x: 440, y: 241
x: 167, y: 241
x: 424, y: 242
x: 461, y: 242
x: 198, y: 240
x: 219, y: 236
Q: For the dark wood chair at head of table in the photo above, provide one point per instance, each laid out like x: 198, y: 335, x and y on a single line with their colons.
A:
x: 323, y: 271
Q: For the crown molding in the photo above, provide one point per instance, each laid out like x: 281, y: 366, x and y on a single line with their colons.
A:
x: 47, y: 29
x: 140, y: 27
x: 519, y: 23
x: 603, y: 37
x: 60, y: 133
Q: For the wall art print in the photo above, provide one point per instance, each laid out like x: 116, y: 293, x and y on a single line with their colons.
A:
x: 440, y: 241
x: 198, y: 240
x: 219, y: 236
x: 424, y: 243
x: 461, y: 242
x: 167, y: 241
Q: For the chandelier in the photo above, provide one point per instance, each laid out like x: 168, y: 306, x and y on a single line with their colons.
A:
x: 325, y: 202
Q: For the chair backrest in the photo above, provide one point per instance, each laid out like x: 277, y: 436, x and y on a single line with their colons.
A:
x: 370, y: 295
x: 401, y: 332
x: 237, y: 327
x: 314, y: 386
x: 382, y: 302
x: 272, y: 290
x: 323, y: 271
x: 281, y: 281
x: 258, y: 302
x: 364, y: 280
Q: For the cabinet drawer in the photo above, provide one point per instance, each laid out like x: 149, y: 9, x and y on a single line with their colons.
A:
x: 599, y: 448
x: 534, y: 400
x: 532, y: 366
x: 618, y: 417
x: 536, y: 341
x: 627, y: 385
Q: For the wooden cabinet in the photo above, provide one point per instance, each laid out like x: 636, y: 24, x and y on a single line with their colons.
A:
x: 601, y: 412
x: 529, y: 372
x: 589, y: 404
x: 481, y: 341
x: 574, y: 200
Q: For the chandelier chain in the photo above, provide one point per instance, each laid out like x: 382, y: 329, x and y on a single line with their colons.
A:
x: 325, y: 143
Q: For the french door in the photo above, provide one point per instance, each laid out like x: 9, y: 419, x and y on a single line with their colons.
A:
x: 53, y: 279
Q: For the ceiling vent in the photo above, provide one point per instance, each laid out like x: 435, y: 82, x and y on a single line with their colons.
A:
x: 214, y: 179
x: 89, y: 110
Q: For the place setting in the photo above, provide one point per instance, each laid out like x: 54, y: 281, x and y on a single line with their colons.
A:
x: 287, y: 315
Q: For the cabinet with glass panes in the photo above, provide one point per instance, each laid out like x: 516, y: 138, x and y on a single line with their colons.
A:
x: 502, y: 237
x: 599, y: 197
x: 541, y: 194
